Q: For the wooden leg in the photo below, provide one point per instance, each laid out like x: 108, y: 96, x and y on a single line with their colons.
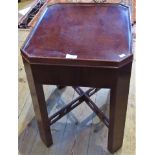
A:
x: 39, y: 105
x: 118, y: 107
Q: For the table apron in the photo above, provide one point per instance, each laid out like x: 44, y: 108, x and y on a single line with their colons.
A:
x: 77, y: 76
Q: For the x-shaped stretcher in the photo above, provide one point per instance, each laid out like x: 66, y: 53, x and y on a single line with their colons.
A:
x: 83, y: 96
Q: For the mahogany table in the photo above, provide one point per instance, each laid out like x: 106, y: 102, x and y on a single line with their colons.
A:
x: 81, y: 45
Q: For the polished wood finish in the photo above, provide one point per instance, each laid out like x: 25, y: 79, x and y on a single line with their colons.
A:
x: 39, y: 106
x: 118, y: 107
x: 84, y: 32
x: 104, y: 59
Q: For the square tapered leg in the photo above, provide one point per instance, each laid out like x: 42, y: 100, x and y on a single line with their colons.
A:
x: 39, y: 105
x: 118, y: 108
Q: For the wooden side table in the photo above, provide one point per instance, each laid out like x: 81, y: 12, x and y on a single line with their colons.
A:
x: 81, y: 45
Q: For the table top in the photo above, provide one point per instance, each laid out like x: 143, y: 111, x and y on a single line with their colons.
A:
x: 81, y: 34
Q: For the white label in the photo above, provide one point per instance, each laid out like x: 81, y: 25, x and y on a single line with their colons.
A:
x: 69, y: 56
x: 122, y: 55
